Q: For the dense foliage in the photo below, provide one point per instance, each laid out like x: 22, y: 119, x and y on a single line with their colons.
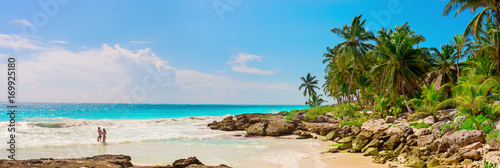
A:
x: 376, y: 74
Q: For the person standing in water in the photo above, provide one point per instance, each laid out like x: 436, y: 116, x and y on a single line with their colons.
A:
x: 100, y: 134
x: 104, y: 135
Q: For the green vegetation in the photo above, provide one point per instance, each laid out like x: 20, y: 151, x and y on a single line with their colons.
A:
x: 493, y: 136
x: 419, y: 125
x: 489, y: 165
x: 374, y: 74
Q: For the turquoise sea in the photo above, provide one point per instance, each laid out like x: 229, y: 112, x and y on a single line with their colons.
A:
x: 54, y: 111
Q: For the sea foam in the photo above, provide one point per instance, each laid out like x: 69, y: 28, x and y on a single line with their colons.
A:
x: 68, y: 132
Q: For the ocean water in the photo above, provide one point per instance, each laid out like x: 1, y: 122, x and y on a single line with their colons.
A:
x: 46, y: 125
x: 54, y: 111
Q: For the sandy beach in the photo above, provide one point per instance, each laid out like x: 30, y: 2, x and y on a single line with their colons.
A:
x: 269, y: 152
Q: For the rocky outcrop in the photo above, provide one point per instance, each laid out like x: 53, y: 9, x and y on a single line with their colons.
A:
x: 101, y: 161
x: 463, y: 137
x: 256, y: 124
x: 388, y: 139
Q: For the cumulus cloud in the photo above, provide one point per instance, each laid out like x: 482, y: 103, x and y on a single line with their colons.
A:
x: 239, y: 64
x: 141, y: 42
x: 113, y: 74
x: 22, y: 22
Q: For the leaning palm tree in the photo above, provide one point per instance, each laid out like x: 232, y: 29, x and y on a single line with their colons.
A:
x: 355, y: 45
x: 472, y: 93
x: 404, y: 66
x: 490, y: 11
x: 309, y: 84
x: 443, y: 62
x: 461, y: 43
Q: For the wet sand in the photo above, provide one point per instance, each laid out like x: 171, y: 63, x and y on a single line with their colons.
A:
x: 266, y: 152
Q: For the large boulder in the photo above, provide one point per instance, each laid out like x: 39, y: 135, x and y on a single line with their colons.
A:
x: 425, y: 140
x: 227, y: 124
x: 182, y: 163
x: 256, y: 129
x: 280, y: 127
x: 392, y: 143
x: 463, y: 138
x: 394, y: 131
x: 375, y: 143
x: 361, y: 140
x: 375, y: 125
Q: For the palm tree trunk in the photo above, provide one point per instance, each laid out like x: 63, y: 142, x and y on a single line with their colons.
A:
x: 350, y: 81
x: 382, y: 81
x: 406, y: 102
x: 458, y: 71
x: 497, y: 40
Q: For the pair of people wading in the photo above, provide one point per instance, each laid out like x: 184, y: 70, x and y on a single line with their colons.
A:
x: 102, y: 134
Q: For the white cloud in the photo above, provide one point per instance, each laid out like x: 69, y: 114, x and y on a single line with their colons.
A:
x: 22, y: 22
x: 18, y: 42
x: 58, y: 42
x: 141, y: 42
x: 111, y: 74
x: 239, y: 64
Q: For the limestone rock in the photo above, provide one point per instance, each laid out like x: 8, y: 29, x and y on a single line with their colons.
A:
x: 393, y: 131
x: 373, y: 143
x: 473, y: 154
x: 422, y: 131
x: 496, y: 125
x: 375, y: 125
x: 429, y: 120
x: 456, y: 158
x: 345, y: 140
x: 361, y: 140
x: 181, y: 163
x: 392, y: 143
x: 332, y: 135
x: 370, y: 151
x: 345, y: 146
x: 256, y: 129
x: 389, y: 119
x: 277, y: 128
x: 425, y: 140
x: 322, y: 118
x: 463, y: 138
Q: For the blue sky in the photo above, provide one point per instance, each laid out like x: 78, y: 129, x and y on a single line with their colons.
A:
x: 207, y: 51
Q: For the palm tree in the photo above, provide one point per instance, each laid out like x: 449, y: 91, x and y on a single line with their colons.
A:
x: 429, y: 99
x: 404, y: 66
x: 329, y: 58
x: 443, y: 62
x: 460, y: 42
x: 355, y: 45
x: 471, y: 93
x: 363, y: 81
x: 309, y: 84
x: 490, y: 11
x: 315, y: 101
